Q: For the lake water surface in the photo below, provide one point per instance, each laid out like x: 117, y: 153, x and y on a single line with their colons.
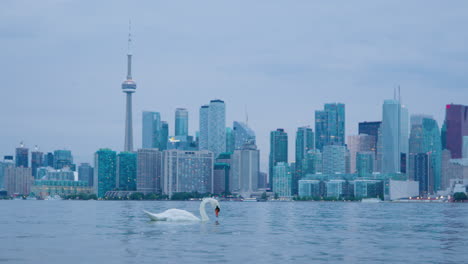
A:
x: 284, y: 232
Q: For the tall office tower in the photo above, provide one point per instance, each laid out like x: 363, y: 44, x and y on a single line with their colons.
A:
x: 151, y: 130
x: 394, y: 136
x: 164, y: 135
x: 222, y: 160
x: 62, y: 158
x: 371, y: 129
x: 126, y: 171
x: 129, y: 87
x: 359, y: 143
x: 86, y: 173
x: 365, y: 163
x: 242, y: 134
x: 245, y: 169
x: 443, y: 135
x: 229, y: 140
x: 49, y: 160
x: 334, y: 159
x: 22, y: 154
x: 330, y: 125
x: 187, y: 171
x: 3, y: 165
x: 181, y: 122
x: 203, y: 134
x: 278, y: 150
x: 18, y: 180
x: 425, y: 138
x: 445, y: 169
x: 105, y: 167
x: 213, y: 127
x: 304, y: 143
x: 282, y: 180
x: 313, y: 163
x: 221, y: 178
x: 37, y: 160
x: 421, y: 173
x: 456, y: 119
x: 149, y: 170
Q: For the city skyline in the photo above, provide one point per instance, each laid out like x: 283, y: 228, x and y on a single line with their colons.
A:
x: 66, y: 123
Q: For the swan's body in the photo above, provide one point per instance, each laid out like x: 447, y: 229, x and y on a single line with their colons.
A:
x: 182, y: 215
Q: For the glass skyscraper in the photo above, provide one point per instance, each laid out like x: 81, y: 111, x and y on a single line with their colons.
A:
x: 242, y: 134
x: 105, y: 168
x: 213, y: 127
x: 282, y: 180
x: 181, y: 122
x: 278, y: 150
x: 37, y: 160
x: 334, y: 159
x: 63, y: 158
x: 330, y: 125
x: 394, y: 136
x: 245, y: 169
x: 21, y: 157
x: 151, y: 129
x: 456, y: 120
x: 229, y: 140
x: 304, y: 143
x: 126, y: 171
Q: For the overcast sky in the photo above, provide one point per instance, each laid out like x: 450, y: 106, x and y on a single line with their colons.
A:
x: 62, y: 63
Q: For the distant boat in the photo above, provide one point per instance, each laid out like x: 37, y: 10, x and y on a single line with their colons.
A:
x: 371, y: 200
x: 250, y: 200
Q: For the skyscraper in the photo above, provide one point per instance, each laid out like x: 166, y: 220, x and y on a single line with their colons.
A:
x: 105, y: 167
x: 164, y: 135
x: 151, y: 129
x: 3, y: 165
x: 456, y: 120
x: 371, y: 129
x: 126, y: 171
x: 129, y: 87
x: 278, y: 150
x: 62, y: 158
x: 22, y: 154
x: 37, y: 160
x: 394, y: 136
x: 334, y: 159
x: 213, y: 127
x: 203, y: 134
x: 282, y: 179
x: 330, y: 125
x: 229, y: 140
x: 359, y: 143
x: 86, y: 173
x: 181, y: 122
x: 304, y: 143
x: 149, y: 170
x: 242, y: 134
x: 365, y: 163
x: 18, y: 180
x: 245, y: 169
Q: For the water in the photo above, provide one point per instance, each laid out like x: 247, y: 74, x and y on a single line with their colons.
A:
x: 290, y: 232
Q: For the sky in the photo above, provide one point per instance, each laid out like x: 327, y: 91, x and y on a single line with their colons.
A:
x: 62, y: 63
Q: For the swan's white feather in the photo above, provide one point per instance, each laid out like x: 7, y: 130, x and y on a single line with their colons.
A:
x: 174, y: 215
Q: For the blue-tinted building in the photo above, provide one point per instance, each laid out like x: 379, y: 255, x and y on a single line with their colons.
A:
x: 127, y: 171
x: 278, y: 150
x: 304, y: 143
x: 330, y: 125
x: 21, y: 157
x: 63, y: 158
x: 242, y: 134
x: 86, y: 173
x: 282, y: 180
x: 151, y: 129
x: 105, y: 170
x: 181, y: 122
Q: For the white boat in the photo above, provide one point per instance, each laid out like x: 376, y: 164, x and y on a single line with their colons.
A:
x: 53, y: 198
x: 250, y: 200
x: 371, y: 200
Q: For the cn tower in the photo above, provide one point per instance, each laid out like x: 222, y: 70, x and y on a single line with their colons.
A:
x: 129, y: 87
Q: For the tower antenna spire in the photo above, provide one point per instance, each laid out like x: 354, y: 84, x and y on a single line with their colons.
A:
x: 129, y: 52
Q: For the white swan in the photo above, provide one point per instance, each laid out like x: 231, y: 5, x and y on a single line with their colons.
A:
x: 182, y: 215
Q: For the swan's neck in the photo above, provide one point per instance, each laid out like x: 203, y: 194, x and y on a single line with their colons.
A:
x: 204, y: 216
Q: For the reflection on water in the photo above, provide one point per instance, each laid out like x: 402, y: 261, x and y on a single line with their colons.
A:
x: 300, y: 232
